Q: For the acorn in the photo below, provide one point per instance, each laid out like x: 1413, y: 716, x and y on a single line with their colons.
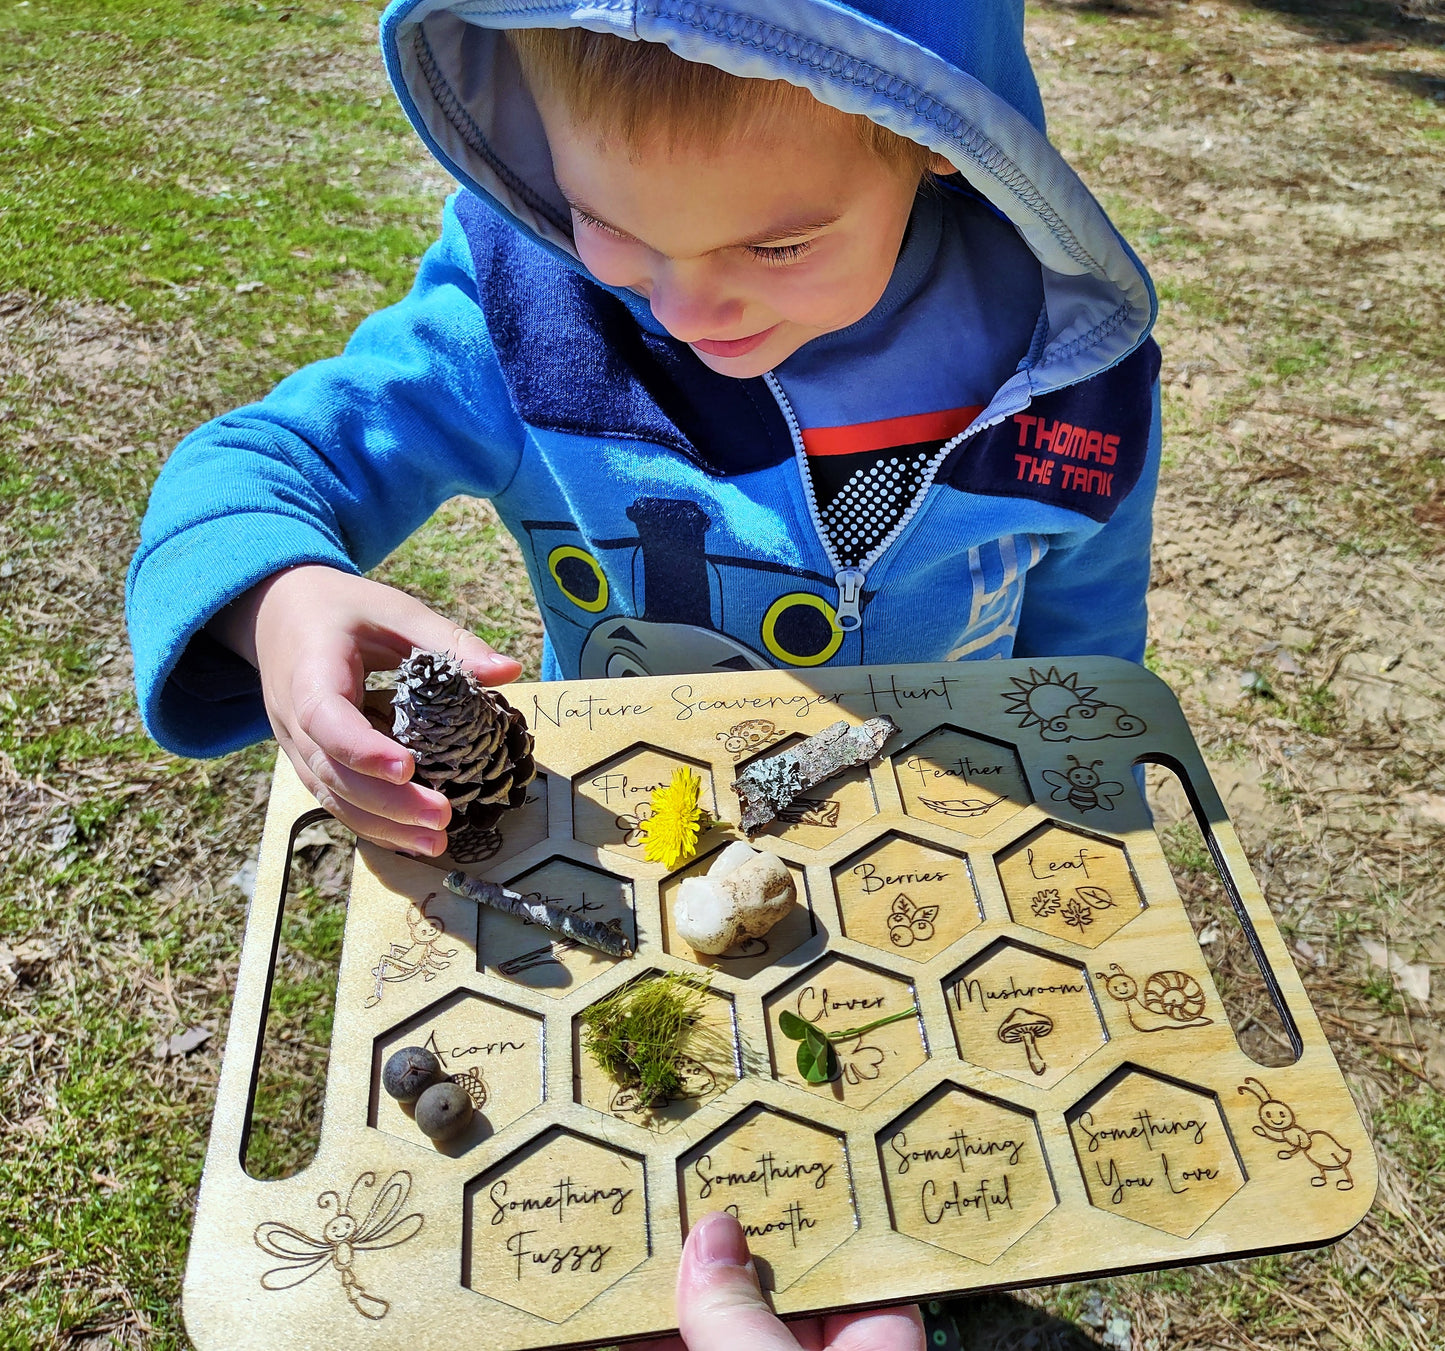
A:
x: 409, y: 1072
x: 443, y: 1111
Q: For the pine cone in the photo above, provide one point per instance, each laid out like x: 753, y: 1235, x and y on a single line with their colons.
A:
x: 469, y: 742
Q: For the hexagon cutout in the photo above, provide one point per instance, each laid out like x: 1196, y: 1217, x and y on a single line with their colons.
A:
x: 966, y: 1173
x: 752, y: 954
x: 819, y: 816
x: 961, y: 780
x: 1155, y: 1150
x: 493, y: 1050
x: 555, y: 1224
x: 838, y: 994
x: 901, y: 895
x: 787, y: 1182
x: 529, y: 955
x: 612, y: 799
x: 710, y: 1065
x: 1024, y: 1013
x: 516, y: 830
x: 1068, y: 884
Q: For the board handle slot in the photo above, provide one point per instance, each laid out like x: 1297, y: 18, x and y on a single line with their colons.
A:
x: 1199, y: 862
x: 282, y: 1127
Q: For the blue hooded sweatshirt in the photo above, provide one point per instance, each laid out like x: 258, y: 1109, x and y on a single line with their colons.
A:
x: 662, y: 509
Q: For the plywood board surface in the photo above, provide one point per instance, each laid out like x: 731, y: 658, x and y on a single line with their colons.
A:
x: 1066, y: 1098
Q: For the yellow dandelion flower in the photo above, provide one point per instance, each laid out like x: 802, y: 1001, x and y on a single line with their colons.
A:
x: 669, y: 835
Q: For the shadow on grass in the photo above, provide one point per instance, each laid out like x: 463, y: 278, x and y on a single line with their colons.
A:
x: 1403, y: 23
x: 1002, y: 1323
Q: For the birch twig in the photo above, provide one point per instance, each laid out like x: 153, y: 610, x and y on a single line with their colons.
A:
x: 769, y: 784
x: 588, y: 932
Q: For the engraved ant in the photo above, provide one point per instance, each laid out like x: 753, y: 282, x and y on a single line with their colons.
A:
x: 421, y: 956
x: 1320, y: 1148
x: 1082, y: 787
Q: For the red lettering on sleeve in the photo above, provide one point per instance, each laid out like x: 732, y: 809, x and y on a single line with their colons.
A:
x: 1025, y: 421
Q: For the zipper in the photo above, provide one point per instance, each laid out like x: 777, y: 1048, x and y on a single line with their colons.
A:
x: 850, y: 581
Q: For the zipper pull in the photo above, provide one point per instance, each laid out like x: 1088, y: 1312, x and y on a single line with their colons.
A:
x: 850, y: 592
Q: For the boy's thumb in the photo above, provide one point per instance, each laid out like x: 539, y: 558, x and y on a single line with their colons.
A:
x: 418, y: 625
x: 719, y: 1304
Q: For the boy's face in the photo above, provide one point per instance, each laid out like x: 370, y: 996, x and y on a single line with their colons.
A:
x: 745, y: 251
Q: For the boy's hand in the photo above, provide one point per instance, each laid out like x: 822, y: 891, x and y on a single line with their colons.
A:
x: 313, y: 633
x: 720, y: 1308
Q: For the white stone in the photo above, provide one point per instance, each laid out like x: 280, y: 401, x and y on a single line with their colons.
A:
x: 744, y: 894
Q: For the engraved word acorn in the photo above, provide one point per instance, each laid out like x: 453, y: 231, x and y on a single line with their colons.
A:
x: 1170, y: 999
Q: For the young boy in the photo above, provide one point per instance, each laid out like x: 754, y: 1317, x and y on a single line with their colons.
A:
x: 777, y: 339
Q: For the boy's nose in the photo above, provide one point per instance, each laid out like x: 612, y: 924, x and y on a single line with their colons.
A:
x: 692, y: 307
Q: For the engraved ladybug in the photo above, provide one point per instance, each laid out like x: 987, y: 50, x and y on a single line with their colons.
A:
x: 1170, y: 999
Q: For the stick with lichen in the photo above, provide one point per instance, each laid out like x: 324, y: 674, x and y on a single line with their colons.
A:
x: 588, y: 932
x: 769, y: 784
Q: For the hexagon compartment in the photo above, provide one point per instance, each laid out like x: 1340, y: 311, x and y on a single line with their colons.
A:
x: 961, y: 780
x: 837, y: 994
x: 1155, y: 1150
x: 493, y: 1050
x: 612, y: 798
x: 821, y: 815
x: 752, y: 954
x: 901, y: 895
x: 1069, y: 884
x: 710, y: 1065
x: 553, y: 1225
x: 528, y: 955
x: 787, y: 1182
x: 966, y: 1173
x: 1024, y: 1013
x: 517, y: 830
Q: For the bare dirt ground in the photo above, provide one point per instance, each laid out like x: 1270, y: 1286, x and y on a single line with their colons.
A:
x: 1282, y: 172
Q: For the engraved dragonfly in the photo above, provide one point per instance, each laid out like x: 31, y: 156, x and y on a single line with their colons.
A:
x: 342, y: 1237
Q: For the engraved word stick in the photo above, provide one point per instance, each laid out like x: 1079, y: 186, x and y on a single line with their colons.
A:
x: 587, y: 932
x: 768, y: 785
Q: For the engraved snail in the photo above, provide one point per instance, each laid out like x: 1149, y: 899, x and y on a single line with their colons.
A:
x: 1169, y: 999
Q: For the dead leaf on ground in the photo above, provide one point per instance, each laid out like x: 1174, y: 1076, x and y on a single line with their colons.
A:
x: 182, y: 1043
x: 1412, y: 977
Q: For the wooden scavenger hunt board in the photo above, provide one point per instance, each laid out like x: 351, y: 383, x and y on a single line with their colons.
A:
x: 1068, y: 1099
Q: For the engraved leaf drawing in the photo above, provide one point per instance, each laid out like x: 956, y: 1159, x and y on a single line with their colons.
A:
x: 1096, y: 898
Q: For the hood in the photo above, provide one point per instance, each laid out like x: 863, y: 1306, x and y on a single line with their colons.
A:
x: 952, y: 74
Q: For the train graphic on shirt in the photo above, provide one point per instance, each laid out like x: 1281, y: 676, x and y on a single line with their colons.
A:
x: 681, y: 624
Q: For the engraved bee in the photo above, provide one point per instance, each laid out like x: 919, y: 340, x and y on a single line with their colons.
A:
x: 342, y: 1237
x: 909, y: 923
x: 1082, y: 788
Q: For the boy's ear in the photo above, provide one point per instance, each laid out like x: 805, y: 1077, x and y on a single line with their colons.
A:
x: 938, y: 165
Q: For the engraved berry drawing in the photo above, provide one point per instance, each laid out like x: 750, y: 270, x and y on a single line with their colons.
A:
x: 909, y: 923
x: 1324, y: 1153
x: 421, y: 957
x: 1082, y: 788
x: 1170, y: 999
x: 342, y: 1237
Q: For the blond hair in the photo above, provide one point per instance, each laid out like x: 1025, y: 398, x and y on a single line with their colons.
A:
x: 641, y: 90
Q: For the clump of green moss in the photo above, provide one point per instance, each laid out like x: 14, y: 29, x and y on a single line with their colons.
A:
x: 637, y: 1035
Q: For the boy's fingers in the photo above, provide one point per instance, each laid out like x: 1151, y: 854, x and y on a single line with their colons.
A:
x: 402, y: 623
x: 719, y: 1305
x: 382, y: 830
x: 896, y: 1329
x: 342, y: 730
